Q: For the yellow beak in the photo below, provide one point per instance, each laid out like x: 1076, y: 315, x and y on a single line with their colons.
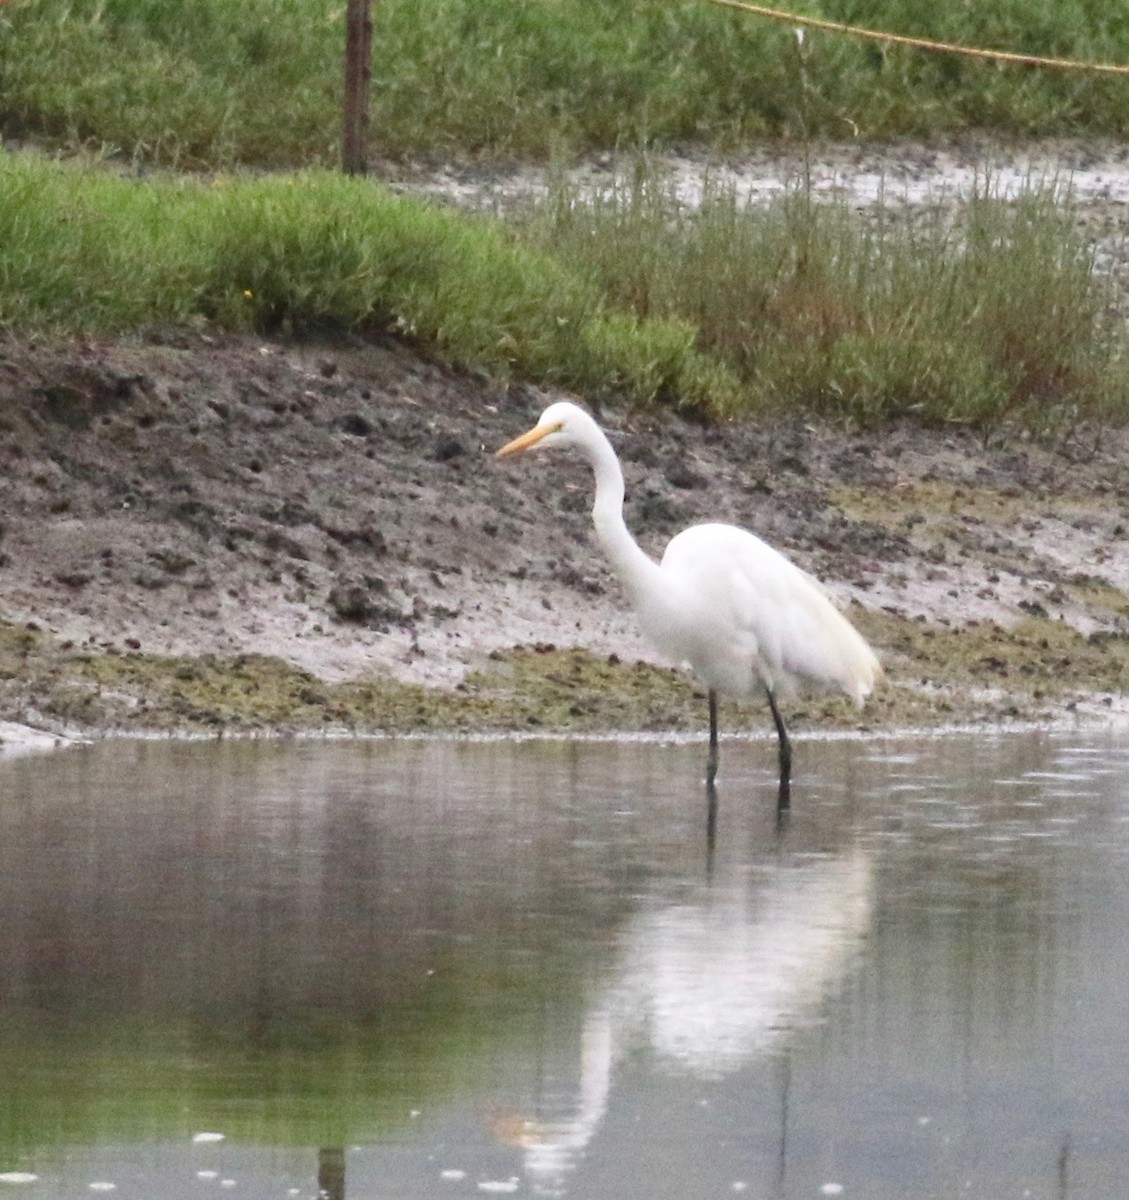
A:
x: 526, y: 440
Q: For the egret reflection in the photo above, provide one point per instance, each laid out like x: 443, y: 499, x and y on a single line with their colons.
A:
x: 701, y: 987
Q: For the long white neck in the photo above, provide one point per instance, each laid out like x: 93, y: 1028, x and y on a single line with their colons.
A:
x: 633, y: 566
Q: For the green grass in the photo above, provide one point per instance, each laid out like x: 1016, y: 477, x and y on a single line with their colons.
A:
x: 85, y: 250
x: 214, y: 83
x: 991, y: 312
x: 996, y: 315
x: 730, y: 309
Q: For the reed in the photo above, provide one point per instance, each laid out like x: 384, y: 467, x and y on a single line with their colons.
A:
x: 989, y: 310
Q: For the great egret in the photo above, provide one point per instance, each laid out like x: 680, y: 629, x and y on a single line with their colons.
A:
x: 722, y: 602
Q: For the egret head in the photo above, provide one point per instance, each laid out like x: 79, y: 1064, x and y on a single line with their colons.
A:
x: 561, y: 424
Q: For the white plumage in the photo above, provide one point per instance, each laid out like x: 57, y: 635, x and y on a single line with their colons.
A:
x: 722, y: 602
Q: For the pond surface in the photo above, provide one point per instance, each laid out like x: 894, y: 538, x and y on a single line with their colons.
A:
x: 444, y: 969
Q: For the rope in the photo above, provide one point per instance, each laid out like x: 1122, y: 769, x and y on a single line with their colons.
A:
x: 874, y: 35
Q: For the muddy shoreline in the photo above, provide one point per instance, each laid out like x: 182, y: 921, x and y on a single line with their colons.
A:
x: 234, y: 534
x: 217, y: 533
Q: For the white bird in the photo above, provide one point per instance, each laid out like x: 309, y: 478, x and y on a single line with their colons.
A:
x: 722, y: 602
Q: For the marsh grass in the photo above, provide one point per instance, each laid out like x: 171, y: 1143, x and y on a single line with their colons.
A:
x: 992, y: 315
x: 980, y: 312
x: 215, y: 83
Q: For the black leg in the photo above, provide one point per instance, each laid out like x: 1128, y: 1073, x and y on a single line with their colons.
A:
x: 711, y: 791
x: 711, y: 761
x: 784, y: 798
x: 711, y: 824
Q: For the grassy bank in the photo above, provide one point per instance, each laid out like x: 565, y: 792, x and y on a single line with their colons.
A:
x: 623, y: 295
x: 85, y: 250
x: 214, y: 83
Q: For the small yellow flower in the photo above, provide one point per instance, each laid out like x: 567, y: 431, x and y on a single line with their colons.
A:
x: 248, y: 294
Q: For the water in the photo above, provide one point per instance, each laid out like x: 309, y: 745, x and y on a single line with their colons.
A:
x: 441, y: 969
x: 1084, y: 173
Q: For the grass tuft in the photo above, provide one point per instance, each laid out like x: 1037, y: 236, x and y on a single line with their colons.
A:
x: 990, y: 312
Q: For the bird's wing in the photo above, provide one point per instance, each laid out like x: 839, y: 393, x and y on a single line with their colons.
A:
x: 765, y: 600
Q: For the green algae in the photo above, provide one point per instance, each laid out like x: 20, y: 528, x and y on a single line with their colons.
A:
x: 1037, y: 669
